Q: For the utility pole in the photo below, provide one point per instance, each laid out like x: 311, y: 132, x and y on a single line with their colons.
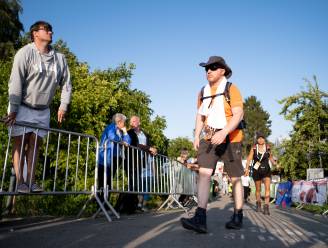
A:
x: 319, y: 152
x: 309, y: 156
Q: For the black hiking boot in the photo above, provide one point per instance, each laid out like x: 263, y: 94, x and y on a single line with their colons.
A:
x: 196, y: 223
x: 258, y: 206
x: 266, y: 209
x: 236, y: 221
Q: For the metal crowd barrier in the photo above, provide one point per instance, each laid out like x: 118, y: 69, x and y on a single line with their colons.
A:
x: 67, y: 163
x: 134, y: 171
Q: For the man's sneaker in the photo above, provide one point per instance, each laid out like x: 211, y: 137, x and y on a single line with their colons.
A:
x: 22, y: 188
x: 236, y: 221
x: 196, y: 223
x: 36, y: 188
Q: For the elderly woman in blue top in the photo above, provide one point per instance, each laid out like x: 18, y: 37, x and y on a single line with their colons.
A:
x: 116, y: 131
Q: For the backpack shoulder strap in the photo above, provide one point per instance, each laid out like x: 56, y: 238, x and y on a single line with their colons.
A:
x: 226, y: 92
x: 268, y: 148
x: 202, y: 93
x: 213, y: 96
x: 254, y: 147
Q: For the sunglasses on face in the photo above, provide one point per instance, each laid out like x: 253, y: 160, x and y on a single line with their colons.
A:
x: 46, y: 28
x: 213, y: 67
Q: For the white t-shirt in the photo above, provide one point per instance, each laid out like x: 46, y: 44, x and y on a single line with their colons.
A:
x: 142, y: 138
x: 245, y: 181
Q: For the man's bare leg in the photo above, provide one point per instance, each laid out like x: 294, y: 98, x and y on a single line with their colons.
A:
x: 236, y: 221
x: 238, y: 192
x: 204, y: 181
x: 198, y: 222
x: 32, y: 157
x: 18, y: 154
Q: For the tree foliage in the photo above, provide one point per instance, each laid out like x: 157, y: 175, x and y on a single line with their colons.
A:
x: 96, y: 97
x: 10, y: 27
x: 257, y: 119
x: 175, y: 146
x: 308, y: 110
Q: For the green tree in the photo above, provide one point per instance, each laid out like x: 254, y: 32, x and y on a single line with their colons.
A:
x: 307, y: 146
x: 175, y: 146
x: 10, y: 27
x: 257, y: 119
x: 96, y: 97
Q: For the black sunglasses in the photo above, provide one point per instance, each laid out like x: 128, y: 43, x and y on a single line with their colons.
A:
x: 46, y: 28
x: 213, y: 67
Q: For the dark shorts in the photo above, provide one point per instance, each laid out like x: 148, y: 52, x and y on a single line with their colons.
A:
x: 260, y: 174
x: 208, y: 155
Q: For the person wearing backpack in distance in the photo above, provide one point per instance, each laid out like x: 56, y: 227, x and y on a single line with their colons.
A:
x: 220, y: 114
x: 260, y: 154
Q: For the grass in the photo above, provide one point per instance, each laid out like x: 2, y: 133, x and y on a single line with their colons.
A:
x: 315, y: 209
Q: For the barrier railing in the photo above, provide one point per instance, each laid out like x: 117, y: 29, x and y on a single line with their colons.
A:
x: 128, y: 169
x: 67, y: 163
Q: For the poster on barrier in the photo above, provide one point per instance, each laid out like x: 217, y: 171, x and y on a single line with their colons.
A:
x: 310, y: 192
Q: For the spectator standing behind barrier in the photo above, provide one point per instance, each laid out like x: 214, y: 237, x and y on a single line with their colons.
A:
x: 225, y: 184
x: 38, y: 70
x: 245, y: 182
x: 260, y: 154
x: 220, y: 112
x: 215, y: 186
x: 184, y: 159
x: 139, y: 139
x: 116, y: 131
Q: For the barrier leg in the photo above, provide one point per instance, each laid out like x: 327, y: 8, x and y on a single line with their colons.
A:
x: 191, y: 202
x: 169, y: 201
x: 164, y: 203
x: 84, y: 206
x: 102, y: 208
x: 112, y: 209
x: 96, y: 213
x: 300, y: 206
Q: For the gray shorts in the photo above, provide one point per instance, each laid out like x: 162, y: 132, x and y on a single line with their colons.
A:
x: 208, y: 155
x: 31, y: 116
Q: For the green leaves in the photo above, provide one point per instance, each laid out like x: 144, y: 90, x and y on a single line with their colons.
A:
x: 307, y: 148
x: 257, y: 119
x: 10, y: 27
x: 176, y: 145
x: 96, y: 97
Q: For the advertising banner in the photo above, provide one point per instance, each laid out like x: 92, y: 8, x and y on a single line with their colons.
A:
x: 310, y: 192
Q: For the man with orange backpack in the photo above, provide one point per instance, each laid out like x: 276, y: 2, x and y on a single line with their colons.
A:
x: 220, y: 113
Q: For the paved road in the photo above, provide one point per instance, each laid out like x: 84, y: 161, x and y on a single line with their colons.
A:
x: 283, y: 228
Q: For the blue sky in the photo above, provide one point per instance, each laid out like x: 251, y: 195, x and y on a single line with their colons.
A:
x: 270, y: 46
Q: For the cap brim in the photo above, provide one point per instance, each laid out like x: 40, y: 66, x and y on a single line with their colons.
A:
x: 228, y: 72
